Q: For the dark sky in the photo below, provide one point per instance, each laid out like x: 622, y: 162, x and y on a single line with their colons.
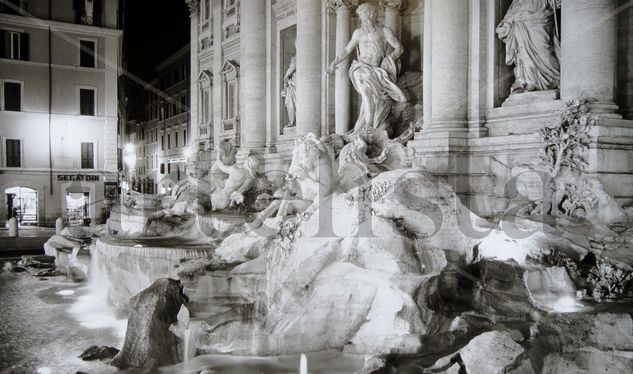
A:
x: 154, y: 29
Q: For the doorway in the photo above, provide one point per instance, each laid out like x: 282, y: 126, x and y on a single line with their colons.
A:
x: 22, y: 204
x: 77, y: 212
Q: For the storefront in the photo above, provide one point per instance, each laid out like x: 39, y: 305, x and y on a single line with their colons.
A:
x: 78, y: 198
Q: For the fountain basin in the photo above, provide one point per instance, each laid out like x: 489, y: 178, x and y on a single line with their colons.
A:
x: 219, y: 225
x: 123, y: 268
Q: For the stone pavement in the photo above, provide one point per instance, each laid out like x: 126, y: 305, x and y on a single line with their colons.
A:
x: 30, y: 241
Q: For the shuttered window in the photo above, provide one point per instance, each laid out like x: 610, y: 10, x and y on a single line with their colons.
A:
x: 14, y: 45
x: 13, y: 153
x: 87, y: 155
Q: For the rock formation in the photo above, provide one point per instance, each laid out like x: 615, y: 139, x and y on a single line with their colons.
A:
x: 148, y: 341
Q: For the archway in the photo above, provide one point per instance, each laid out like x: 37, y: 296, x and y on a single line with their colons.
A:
x: 22, y: 203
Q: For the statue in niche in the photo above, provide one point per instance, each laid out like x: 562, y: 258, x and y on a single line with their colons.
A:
x: 375, y: 71
x: 532, y: 44
x: 289, y: 92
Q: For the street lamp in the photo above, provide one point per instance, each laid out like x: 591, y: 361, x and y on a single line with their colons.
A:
x: 129, y: 158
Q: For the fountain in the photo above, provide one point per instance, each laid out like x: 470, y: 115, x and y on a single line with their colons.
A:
x: 359, y: 255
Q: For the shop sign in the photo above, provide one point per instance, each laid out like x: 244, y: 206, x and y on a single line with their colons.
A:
x: 78, y: 177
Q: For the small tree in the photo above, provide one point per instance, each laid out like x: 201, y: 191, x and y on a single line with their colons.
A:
x: 563, y: 146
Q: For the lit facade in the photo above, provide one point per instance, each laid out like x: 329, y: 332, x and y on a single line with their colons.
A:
x: 161, y: 138
x: 58, y: 108
x: 468, y: 126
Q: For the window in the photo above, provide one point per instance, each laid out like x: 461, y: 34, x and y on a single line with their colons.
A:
x: 230, y: 100
x: 207, y: 9
x: 205, y: 106
x: 183, y: 104
x: 13, y: 153
x: 162, y: 168
x: 87, y: 156
x: 162, y: 142
x: 87, y: 12
x: 168, y: 168
x: 12, y: 99
x: 176, y: 141
x: 168, y: 141
x: 87, y: 101
x: 87, y: 56
x: 184, y: 138
x: 14, y: 45
x: 230, y: 94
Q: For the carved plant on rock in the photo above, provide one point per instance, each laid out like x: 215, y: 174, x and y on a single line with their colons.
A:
x: 563, y: 147
x: 607, y: 281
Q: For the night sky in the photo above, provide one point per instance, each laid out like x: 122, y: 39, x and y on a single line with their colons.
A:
x: 154, y: 29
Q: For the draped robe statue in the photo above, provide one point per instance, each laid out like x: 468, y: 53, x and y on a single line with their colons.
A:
x: 532, y: 44
x: 289, y: 93
x: 374, y: 73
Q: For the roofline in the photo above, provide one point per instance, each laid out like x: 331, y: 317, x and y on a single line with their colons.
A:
x: 175, y: 56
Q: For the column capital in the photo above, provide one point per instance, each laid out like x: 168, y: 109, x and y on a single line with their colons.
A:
x: 342, y: 4
x: 194, y: 6
x: 394, y: 4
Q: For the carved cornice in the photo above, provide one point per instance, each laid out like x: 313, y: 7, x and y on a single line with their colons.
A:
x: 394, y: 4
x: 194, y: 6
x: 342, y: 4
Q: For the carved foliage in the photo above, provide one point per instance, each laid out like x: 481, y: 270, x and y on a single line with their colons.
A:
x: 394, y: 4
x: 338, y: 4
x: 564, y: 143
x: 194, y: 6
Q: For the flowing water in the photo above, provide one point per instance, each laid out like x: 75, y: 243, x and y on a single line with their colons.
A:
x: 192, y: 332
x: 38, y: 333
x: 552, y: 289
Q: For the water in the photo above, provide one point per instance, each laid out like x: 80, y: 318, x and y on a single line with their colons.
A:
x: 552, y: 289
x: 328, y: 362
x: 192, y: 332
x: 37, y: 332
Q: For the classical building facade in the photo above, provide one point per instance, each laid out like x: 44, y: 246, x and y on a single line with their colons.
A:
x: 475, y: 95
x: 160, y: 138
x: 58, y: 109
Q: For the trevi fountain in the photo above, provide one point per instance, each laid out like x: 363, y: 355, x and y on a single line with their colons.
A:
x: 365, y: 257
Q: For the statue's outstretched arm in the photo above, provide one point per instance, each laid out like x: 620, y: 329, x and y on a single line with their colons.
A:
x: 349, y: 48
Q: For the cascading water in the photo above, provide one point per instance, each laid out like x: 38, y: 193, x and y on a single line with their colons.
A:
x: 91, y: 308
x: 303, y: 364
x: 551, y: 289
x: 192, y: 332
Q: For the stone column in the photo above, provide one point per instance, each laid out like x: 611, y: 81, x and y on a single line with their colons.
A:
x: 309, y: 66
x: 393, y: 19
x: 588, y: 53
x: 625, y: 61
x: 446, y: 65
x: 192, y: 132
x: 253, y: 70
x: 343, y: 85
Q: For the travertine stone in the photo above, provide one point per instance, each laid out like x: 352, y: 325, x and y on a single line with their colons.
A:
x: 448, y: 67
x: 589, y: 53
x: 343, y: 86
x: 529, y: 32
x: 393, y: 18
x: 309, y: 70
x: 253, y: 69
